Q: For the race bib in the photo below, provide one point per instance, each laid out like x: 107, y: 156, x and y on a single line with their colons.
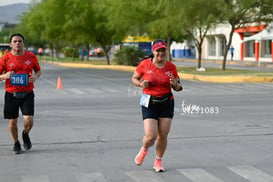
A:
x: 145, y: 100
x: 19, y: 79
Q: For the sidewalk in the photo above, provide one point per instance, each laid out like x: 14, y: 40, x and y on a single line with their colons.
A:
x: 236, y: 64
x: 242, y: 65
x: 185, y: 76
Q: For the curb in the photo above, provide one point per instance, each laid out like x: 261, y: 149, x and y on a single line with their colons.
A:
x: 226, y: 79
x: 185, y: 76
x: 110, y: 67
x: 234, y: 62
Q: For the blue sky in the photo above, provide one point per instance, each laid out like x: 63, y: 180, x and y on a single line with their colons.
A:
x: 8, y: 2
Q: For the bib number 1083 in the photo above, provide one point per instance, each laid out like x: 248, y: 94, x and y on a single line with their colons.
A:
x: 19, y: 79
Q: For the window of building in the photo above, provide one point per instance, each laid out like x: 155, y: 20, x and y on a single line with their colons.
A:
x: 250, y: 49
x: 212, y: 46
x: 222, y: 46
x: 267, y: 48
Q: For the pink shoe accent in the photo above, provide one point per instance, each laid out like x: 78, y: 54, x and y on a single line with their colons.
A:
x: 140, y: 156
x: 158, y: 166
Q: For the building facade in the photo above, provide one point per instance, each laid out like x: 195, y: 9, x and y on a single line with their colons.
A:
x: 246, y: 44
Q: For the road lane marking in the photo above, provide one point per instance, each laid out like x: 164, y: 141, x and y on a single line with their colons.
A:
x: 199, y: 175
x: 252, y: 174
x: 144, y: 176
x: 48, y: 81
x: 90, y: 177
x: 94, y: 90
x: 111, y: 90
x: 76, y: 90
x: 35, y: 178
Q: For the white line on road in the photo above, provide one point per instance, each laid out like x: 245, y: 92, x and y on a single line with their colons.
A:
x: 50, y: 82
x: 94, y: 90
x: 90, y: 177
x: 111, y: 90
x: 144, y: 176
x: 35, y: 179
x: 199, y: 175
x: 251, y: 173
x: 76, y: 91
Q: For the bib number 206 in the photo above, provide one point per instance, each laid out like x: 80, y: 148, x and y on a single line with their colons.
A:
x: 19, y: 79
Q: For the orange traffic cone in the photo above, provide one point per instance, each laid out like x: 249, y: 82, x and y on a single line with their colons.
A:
x: 59, y: 83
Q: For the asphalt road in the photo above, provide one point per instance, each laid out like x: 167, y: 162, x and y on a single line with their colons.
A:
x: 91, y: 130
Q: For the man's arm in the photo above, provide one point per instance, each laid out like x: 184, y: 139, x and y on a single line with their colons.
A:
x: 6, y: 75
x: 35, y: 76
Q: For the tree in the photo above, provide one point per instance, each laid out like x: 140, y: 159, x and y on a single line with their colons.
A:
x: 199, y: 16
x: 120, y: 18
x: 5, y: 34
x: 89, y: 25
x: 239, y: 13
x: 104, y: 35
x: 158, y: 19
x: 79, y: 23
x: 31, y: 27
x: 165, y: 20
x: 71, y: 22
x: 44, y: 23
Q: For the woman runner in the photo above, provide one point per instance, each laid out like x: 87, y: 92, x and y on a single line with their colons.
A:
x: 156, y: 76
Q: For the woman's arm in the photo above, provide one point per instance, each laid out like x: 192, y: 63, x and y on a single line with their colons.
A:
x: 136, y: 81
x: 176, y: 84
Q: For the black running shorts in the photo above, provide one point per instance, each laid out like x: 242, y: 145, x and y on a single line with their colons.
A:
x: 12, y: 105
x: 158, y: 110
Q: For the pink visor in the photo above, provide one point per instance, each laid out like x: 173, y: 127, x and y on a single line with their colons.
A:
x: 159, y: 45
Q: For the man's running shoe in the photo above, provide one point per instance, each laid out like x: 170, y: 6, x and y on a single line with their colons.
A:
x: 26, y: 139
x: 158, y: 166
x: 140, y: 156
x: 17, y: 148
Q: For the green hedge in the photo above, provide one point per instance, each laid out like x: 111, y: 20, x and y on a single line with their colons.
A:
x: 129, y: 56
x: 69, y: 51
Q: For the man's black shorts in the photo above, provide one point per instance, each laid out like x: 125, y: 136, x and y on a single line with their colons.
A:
x: 12, y: 105
x: 159, y: 110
